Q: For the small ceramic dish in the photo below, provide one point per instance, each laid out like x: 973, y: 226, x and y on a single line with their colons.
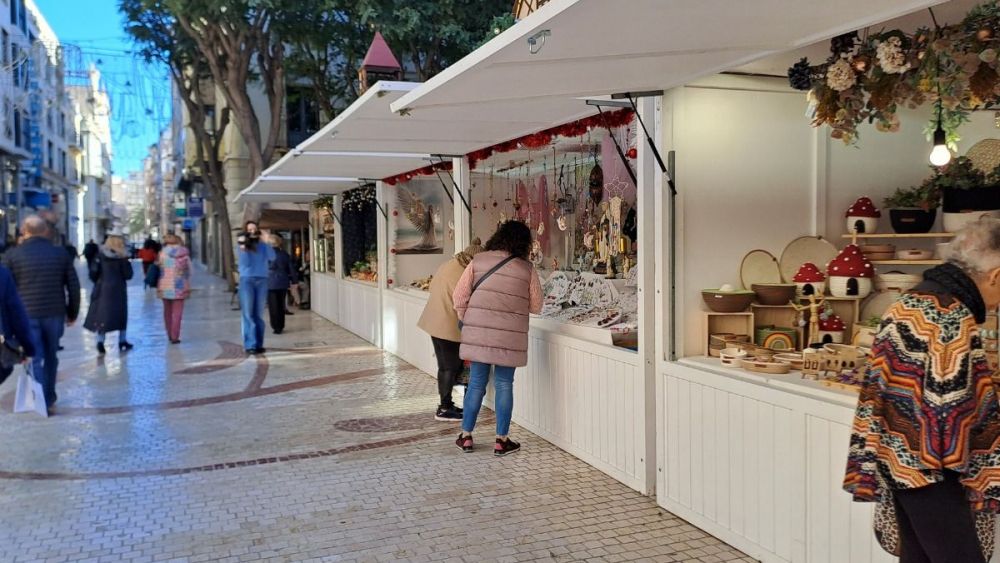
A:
x: 732, y: 356
x: 914, y: 254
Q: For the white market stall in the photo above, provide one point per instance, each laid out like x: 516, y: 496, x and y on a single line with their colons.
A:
x: 754, y: 459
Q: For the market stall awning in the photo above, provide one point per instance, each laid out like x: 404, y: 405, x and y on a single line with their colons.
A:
x: 276, y: 197
x: 583, y: 48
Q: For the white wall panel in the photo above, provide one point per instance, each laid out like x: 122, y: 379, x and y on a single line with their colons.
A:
x: 360, y: 310
x: 588, y: 400
x: 400, y: 313
x: 760, y: 468
x: 323, y: 296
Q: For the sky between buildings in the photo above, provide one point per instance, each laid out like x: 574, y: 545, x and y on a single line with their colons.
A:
x: 93, y: 33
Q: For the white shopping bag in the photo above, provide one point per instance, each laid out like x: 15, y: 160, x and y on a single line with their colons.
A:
x: 30, y: 396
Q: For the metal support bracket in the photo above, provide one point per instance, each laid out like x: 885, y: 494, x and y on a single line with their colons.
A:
x: 618, y: 147
x: 458, y: 190
x: 618, y: 102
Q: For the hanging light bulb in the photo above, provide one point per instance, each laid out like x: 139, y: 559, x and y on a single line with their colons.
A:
x: 940, y: 155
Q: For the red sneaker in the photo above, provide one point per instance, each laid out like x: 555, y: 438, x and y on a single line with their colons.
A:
x: 464, y: 443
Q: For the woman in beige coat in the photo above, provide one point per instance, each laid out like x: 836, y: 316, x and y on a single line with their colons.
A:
x: 441, y: 322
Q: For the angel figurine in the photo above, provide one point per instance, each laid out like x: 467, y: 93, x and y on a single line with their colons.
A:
x: 424, y: 218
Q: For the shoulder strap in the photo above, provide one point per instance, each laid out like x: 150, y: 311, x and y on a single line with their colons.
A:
x: 491, y: 272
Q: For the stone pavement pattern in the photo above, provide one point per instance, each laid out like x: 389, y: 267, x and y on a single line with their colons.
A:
x: 325, y: 449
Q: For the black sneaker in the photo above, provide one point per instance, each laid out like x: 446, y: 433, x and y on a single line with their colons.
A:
x: 504, y: 447
x: 464, y: 443
x: 448, y: 414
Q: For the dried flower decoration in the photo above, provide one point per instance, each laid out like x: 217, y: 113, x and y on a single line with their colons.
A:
x: 840, y: 76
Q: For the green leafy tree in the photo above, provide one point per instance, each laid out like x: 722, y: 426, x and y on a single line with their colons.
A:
x: 327, y: 40
x: 241, y: 46
x: 430, y: 35
x: 154, y: 30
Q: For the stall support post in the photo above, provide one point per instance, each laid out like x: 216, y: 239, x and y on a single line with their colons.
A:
x: 463, y: 216
x: 338, y: 240
x: 382, y: 241
x: 647, y: 172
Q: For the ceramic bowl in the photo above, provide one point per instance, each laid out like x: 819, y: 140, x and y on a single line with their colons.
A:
x: 727, y: 301
x: 896, y: 280
x: 868, y: 248
x: 914, y: 254
x: 774, y: 293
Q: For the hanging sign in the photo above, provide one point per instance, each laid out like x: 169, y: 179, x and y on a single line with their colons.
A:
x: 196, y: 207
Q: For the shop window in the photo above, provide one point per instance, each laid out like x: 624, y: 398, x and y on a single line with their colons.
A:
x: 421, y: 232
x: 302, y: 113
x: 576, y: 195
x: 359, y: 228
x: 324, y: 258
x: 50, y: 155
x: 5, y: 45
x: 18, y: 130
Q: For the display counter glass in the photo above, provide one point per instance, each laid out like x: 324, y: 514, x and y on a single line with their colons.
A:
x: 576, y: 195
x: 324, y: 240
x: 359, y: 228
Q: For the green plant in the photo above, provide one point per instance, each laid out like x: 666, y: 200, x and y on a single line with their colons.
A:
x: 872, y: 321
x: 925, y: 196
x: 325, y: 202
x: 961, y: 174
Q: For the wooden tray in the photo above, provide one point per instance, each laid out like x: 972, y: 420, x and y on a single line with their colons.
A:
x: 765, y: 367
x: 794, y: 360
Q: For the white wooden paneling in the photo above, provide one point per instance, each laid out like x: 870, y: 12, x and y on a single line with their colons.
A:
x: 761, y: 468
x: 323, y: 296
x: 401, y: 311
x: 360, y: 310
x: 588, y: 400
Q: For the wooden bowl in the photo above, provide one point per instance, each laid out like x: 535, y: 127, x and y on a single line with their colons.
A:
x: 727, y: 301
x: 732, y: 356
x: 880, y: 255
x: 914, y: 254
x: 896, y: 280
x: 794, y: 360
x: 868, y: 248
x: 760, y: 366
x: 774, y: 293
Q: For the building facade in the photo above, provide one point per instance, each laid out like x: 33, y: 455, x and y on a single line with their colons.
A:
x: 93, y: 117
x: 38, y: 139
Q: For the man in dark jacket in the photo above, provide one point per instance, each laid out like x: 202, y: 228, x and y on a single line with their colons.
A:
x: 280, y: 276
x: 47, y: 283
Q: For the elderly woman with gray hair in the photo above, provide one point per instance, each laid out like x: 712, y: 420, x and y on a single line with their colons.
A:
x: 925, y: 444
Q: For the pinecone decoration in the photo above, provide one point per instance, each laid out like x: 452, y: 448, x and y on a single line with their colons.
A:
x: 800, y: 75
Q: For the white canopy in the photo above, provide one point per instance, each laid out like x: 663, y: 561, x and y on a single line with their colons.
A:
x: 596, y: 47
x: 582, y: 48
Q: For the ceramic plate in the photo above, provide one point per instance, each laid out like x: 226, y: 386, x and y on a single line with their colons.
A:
x: 759, y: 266
x: 817, y: 250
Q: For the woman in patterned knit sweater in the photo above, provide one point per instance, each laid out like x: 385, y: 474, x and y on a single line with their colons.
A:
x: 925, y: 443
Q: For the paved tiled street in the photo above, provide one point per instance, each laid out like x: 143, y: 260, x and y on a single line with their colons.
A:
x: 324, y: 449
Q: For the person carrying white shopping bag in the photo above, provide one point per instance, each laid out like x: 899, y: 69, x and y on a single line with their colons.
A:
x: 30, y: 396
x: 16, y: 344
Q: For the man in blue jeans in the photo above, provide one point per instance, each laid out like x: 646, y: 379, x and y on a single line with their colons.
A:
x: 50, y: 290
x: 254, y: 254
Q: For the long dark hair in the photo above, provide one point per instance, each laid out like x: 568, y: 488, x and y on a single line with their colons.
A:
x: 512, y: 237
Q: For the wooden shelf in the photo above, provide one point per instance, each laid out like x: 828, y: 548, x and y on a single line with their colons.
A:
x: 908, y: 262
x: 900, y: 236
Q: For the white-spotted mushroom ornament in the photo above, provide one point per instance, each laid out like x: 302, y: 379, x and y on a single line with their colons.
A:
x: 863, y: 216
x: 850, y: 273
x: 809, y: 280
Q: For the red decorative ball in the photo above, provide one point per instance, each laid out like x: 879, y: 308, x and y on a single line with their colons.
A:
x: 395, y: 213
x: 392, y: 250
x: 633, y: 153
x: 389, y: 281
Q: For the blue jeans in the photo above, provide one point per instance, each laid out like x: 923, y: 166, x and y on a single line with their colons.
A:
x: 253, y: 298
x: 503, y: 384
x: 46, y: 332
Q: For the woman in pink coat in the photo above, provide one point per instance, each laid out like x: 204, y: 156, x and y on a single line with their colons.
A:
x: 174, y: 285
x: 493, y: 298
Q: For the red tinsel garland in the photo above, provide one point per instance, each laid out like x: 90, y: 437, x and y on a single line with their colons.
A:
x: 533, y: 141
